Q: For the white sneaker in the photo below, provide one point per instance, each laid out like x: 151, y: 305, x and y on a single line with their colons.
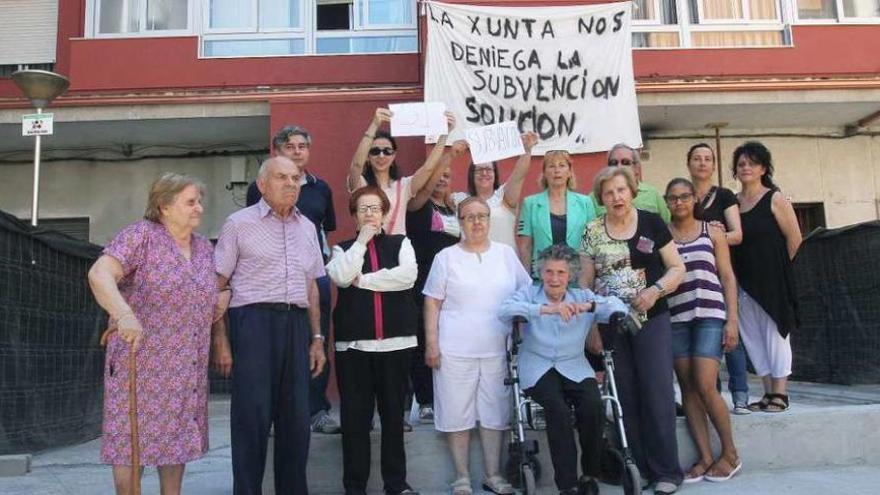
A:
x: 426, y: 414
x: 741, y: 409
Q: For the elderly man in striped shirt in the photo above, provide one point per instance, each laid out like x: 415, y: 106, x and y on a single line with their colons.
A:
x: 269, y: 255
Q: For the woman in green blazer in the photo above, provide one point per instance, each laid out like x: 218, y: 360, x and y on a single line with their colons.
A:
x: 558, y: 215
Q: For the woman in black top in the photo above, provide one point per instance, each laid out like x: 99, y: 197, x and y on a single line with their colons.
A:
x: 629, y: 253
x: 375, y: 324
x: 431, y: 225
x: 767, y: 306
x: 718, y: 206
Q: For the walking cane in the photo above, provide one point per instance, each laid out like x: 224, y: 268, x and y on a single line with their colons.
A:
x: 135, y: 481
x: 133, y: 420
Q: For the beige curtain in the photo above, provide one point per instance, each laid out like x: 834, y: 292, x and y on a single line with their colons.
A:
x: 663, y: 40
x: 737, y: 38
x: 722, y: 9
x: 763, y: 9
x: 644, y: 10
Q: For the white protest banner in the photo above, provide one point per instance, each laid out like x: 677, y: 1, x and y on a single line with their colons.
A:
x: 564, y: 72
x: 418, y: 119
x: 494, y: 142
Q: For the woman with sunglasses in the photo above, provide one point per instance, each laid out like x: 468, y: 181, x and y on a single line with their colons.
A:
x: 762, y: 263
x: 374, y: 164
x: 503, y: 199
x: 704, y: 322
x: 558, y: 215
x: 718, y: 206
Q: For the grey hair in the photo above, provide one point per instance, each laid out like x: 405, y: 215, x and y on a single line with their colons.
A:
x: 636, y: 156
x: 264, y: 167
x: 472, y: 199
x: 283, y: 135
x: 561, y: 252
x: 164, y: 192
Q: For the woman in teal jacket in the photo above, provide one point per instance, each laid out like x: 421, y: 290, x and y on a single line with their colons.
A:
x: 558, y: 215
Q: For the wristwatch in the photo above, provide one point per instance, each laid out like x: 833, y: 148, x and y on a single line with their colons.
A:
x: 659, y: 288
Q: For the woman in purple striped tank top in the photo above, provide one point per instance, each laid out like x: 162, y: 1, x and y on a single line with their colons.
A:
x: 704, y: 323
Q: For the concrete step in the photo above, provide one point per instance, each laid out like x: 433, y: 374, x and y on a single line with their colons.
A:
x: 803, y: 437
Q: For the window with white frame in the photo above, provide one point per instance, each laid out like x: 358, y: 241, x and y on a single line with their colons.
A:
x: 365, y: 26
x: 843, y: 10
x: 140, y: 17
x: 299, y: 27
x: 655, y: 24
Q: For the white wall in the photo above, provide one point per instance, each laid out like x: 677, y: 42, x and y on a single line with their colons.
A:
x: 844, y: 174
x: 114, y: 194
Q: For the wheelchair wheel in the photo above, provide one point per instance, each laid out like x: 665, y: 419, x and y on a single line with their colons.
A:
x: 611, y: 465
x: 632, y: 479
x: 529, y: 484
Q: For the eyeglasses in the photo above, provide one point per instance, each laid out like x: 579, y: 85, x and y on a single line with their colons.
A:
x: 364, y: 209
x: 376, y: 151
x: 684, y: 198
x: 626, y: 162
x: 478, y: 217
x: 484, y: 171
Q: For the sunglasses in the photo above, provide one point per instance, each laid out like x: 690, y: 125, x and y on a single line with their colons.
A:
x: 376, y: 151
x: 626, y: 162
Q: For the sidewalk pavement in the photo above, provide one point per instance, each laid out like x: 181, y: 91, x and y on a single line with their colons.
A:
x: 76, y: 470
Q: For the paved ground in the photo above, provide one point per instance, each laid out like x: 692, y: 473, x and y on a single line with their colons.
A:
x: 75, y: 470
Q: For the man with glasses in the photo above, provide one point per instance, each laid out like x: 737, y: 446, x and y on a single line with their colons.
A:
x: 648, y: 198
x: 316, y: 203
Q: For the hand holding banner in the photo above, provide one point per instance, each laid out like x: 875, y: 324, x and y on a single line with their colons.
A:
x: 494, y: 142
x: 418, y: 119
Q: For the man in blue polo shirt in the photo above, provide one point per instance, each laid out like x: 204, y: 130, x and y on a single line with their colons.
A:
x: 316, y: 203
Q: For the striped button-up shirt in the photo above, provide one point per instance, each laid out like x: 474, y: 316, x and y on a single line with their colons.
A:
x: 268, y: 258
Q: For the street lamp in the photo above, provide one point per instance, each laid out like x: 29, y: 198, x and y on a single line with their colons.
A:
x: 41, y: 87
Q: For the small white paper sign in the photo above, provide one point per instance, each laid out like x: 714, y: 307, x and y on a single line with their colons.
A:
x: 418, y: 119
x: 494, y: 142
x: 37, y: 124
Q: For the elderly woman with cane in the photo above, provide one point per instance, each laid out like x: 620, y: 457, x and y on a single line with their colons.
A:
x: 553, y: 369
x: 156, y: 280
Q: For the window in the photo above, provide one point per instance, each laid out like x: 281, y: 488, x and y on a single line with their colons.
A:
x: 235, y: 28
x: 6, y: 70
x: 810, y: 216
x: 114, y: 17
x: 839, y: 10
x: 655, y: 24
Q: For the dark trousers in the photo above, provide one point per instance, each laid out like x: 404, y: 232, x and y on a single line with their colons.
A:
x: 555, y: 392
x: 368, y: 379
x: 270, y: 384
x: 420, y: 375
x: 643, y: 370
x: 318, y: 386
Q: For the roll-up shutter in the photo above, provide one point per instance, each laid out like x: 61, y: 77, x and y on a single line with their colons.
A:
x: 28, y: 31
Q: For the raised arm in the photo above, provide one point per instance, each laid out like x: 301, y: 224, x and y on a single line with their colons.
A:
x: 513, y: 188
x: 419, y: 200
x: 421, y: 176
x: 788, y: 224
x: 356, y: 168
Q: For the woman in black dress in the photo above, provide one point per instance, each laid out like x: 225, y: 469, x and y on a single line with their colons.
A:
x: 762, y: 263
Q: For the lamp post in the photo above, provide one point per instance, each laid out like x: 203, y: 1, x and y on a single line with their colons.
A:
x: 40, y: 87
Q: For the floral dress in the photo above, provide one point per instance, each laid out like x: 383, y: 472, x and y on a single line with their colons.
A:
x: 173, y: 298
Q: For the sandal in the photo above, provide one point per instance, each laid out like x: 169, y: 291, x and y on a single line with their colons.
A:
x: 462, y: 486
x: 734, y: 467
x: 778, y: 403
x: 697, y: 472
x: 761, y: 404
x: 498, y: 485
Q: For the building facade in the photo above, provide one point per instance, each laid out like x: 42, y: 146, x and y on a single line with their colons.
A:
x: 199, y: 86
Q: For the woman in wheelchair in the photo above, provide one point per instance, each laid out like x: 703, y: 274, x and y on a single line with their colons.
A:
x: 552, y: 366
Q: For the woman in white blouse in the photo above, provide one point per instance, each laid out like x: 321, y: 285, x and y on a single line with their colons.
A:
x: 465, y: 342
x: 375, y: 324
